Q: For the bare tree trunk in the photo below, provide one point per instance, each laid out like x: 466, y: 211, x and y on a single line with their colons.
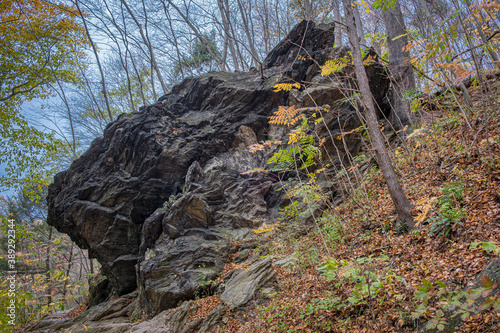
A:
x: 47, y: 269
x: 154, y: 64
x: 308, y: 15
x: 250, y: 38
x: 222, y: 66
x: 401, y: 72
x: 228, y: 39
x: 91, y: 264
x: 265, y: 28
x: 336, y: 17
x: 104, y: 90
x: 115, y: 38
x: 359, y: 25
x: 70, y: 263
x: 177, y: 51
x: 137, y: 73
x: 244, y: 65
x: 401, y: 202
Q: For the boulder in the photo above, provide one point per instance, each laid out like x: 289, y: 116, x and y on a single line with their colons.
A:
x: 103, y: 200
x: 243, y: 285
x: 162, y: 195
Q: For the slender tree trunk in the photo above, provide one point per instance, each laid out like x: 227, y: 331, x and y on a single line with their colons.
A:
x: 137, y: 73
x: 104, y: 90
x: 174, y: 37
x: 221, y: 65
x: 91, y: 264
x: 428, y: 14
x: 146, y: 41
x: 401, y: 202
x: 47, y: 269
x: 116, y: 39
x: 265, y: 28
x: 359, y: 26
x: 224, y: 13
x: 239, y: 56
x: 401, y: 71
x: 337, y: 18
x: 308, y: 12
x: 250, y: 38
x: 68, y: 270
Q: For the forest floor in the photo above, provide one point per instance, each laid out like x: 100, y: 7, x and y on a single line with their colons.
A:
x: 353, y: 270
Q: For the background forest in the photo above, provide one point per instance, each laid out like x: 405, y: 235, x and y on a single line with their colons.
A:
x: 68, y: 68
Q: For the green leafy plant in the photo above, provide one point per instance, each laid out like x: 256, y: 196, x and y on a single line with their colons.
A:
x: 450, y: 214
x: 385, y: 4
x: 332, y: 229
x: 308, y: 198
x: 367, y: 285
x: 168, y: 204
x: 300, y: 151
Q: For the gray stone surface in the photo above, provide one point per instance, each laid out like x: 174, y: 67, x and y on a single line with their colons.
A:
x: 242, y: 286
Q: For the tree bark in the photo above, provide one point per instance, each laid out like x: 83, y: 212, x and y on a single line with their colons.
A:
x: 401, y: 71
x: 308, y: 12
x: 401, y: 202
x: 336, y: 17
x: 228, y: 39
x: 68, y: 270
x: 359, y: 25
x: 47, y: 269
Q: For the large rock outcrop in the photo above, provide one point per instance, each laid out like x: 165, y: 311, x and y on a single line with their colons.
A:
x: 103, y: 199
x: 162, y: 195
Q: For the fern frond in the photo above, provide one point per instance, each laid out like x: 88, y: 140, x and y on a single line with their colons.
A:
x: 286, y: 116
x: 333, y: 66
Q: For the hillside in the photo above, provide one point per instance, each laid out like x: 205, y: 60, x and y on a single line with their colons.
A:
x: 353, y: 270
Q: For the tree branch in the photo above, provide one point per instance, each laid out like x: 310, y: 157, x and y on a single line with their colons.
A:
x: 14, y: 92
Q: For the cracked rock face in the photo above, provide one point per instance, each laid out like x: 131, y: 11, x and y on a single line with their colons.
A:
x: 160, y: 196
x: 103, y: 199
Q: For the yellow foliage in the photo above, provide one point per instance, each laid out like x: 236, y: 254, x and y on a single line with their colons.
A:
x: 295, y: 137
x: 285, y: 86
x: 424, y: 205
x: 265, y: 228
x: 333, y: 66
x: 369, y: 59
